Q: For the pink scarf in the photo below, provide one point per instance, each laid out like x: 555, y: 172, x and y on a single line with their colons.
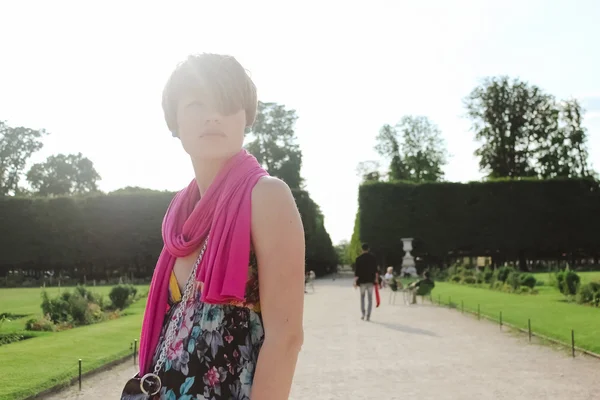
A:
x: 224, y: 211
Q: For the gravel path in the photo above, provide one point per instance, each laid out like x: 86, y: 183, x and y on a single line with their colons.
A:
x: 417, y: 352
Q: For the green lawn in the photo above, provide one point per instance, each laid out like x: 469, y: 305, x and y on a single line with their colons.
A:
x: 550, y: 314
x: 33, y: 365
x: 27, y: 301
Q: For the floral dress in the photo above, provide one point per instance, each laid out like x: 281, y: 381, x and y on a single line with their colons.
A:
x: 216, y: 349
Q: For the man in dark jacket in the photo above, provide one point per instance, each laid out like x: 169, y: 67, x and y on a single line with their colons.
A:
x: 365, y: 276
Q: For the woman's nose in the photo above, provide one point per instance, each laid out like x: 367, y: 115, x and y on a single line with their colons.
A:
x: 212, y: 118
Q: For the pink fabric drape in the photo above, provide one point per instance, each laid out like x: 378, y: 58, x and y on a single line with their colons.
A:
x: 224, y: 211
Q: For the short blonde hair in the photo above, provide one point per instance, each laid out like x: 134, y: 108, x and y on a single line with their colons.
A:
x: 222, y: 77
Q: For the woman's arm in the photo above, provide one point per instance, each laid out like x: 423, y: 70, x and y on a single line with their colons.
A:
x: 278, y: 240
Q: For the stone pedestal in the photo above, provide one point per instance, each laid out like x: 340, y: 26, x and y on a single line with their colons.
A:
x: 408, y: 261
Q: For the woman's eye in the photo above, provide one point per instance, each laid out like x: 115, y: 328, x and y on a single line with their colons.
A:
x: 196, y: 105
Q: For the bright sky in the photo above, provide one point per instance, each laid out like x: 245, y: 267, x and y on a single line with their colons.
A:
x: 91, y: 73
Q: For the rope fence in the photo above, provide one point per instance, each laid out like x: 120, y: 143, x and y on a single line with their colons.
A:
x: 502, y: 323
x: 134, y: 355
x: 76, y: 374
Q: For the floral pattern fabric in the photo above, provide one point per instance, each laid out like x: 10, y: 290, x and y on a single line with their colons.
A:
x: 216, y: 348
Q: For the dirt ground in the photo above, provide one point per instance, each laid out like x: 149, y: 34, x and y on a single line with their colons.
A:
x: 406, y: 352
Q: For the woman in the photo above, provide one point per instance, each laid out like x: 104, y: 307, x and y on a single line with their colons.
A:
x: 230, y: 273
x: 389, y: 276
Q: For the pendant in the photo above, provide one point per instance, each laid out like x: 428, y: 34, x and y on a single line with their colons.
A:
x: 150, y: 384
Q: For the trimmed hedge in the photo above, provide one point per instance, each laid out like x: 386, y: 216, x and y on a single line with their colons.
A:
x: 509, y: 220
x: 321, y: 256
x: 355, y: 248
x: 118, y: 234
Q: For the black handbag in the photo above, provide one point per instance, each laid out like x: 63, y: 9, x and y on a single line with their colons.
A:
x: 146, y: 388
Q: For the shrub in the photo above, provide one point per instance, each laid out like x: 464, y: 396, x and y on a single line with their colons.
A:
x: 122, y: 295
x: 43, y: 324
x: 503, y: 273
x: 524, y: 290
x: 589, y: 294
x: 79, y: 307
x: 57, y: 309
x: 438, y: 274
x: 470, y: 280
x: 456, y: 278
x: 82, y: 291
x: 90, y: 296
x: 528, y: 280
x: 94, y: 313
x: 540, y: 283
x: 453, y: 270
x: 487, y: 275
x: 63, y: 326
x: 466, y: 272
x: 507, y: 288
x: 498, y: 285
x: 114, y: 315
x: 567, y: 282
x: 514, y: 280
x: 13, y: 337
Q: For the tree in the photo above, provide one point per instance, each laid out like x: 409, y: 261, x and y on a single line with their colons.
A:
x: 63, y: 175
x: 343, y: 255
x: 576, y: 134
x: 135, y: 190
x: 563, y: 153
x: 524, y: 132
x: 415, y: 149
x: 423, y: 149
x: 368, y: 171
x: 274, y: 143
x: 16, y: 147
x: 399, y: 169
x: 388, y: 146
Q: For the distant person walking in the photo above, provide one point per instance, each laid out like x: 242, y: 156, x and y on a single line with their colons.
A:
x: 365, y: 277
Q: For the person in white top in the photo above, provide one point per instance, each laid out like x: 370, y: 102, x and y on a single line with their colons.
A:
x: 389, y: 275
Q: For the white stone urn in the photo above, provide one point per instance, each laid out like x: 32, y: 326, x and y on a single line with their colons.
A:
x: 408, y: 261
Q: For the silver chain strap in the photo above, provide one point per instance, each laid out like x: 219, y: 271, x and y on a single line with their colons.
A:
x: 188, y: 291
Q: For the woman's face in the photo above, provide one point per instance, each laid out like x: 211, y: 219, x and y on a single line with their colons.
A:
x: 205, y: 133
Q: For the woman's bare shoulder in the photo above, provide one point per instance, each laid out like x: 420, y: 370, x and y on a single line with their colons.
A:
x: 269, y: 188
x: 273, y: 206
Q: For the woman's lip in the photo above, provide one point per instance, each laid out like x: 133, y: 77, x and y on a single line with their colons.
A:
x: 212, y: 134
